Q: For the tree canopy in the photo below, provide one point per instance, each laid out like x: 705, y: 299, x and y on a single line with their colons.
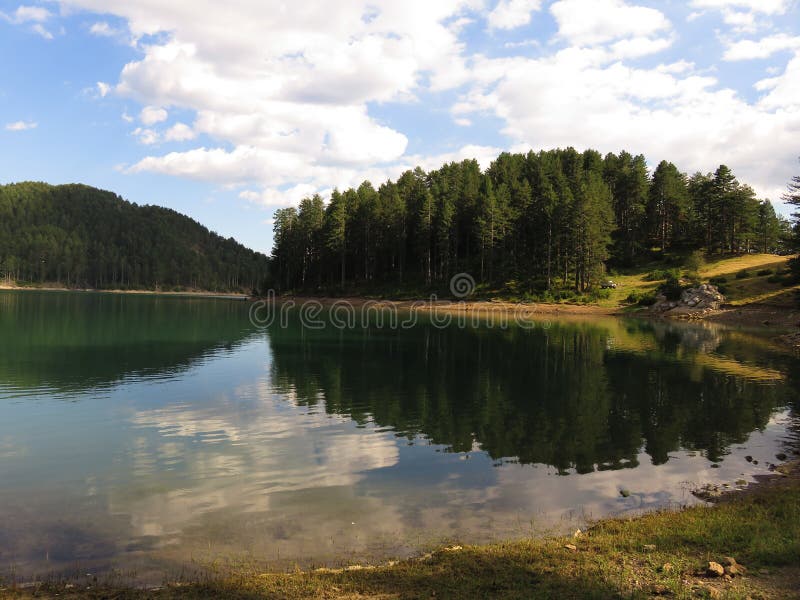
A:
x: 553, y: 219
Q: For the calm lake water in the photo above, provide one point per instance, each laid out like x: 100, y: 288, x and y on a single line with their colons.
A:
x: 151, y: 435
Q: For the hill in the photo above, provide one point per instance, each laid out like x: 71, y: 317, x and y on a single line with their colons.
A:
x: 83, y: 237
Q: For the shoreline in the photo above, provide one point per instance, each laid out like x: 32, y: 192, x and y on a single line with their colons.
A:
x: 189, y: 293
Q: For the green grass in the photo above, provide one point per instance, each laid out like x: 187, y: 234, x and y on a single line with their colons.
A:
x: 742, y: 282
x: 657, y: 554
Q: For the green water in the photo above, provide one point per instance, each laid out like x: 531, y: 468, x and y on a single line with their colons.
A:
x: 150, y: 435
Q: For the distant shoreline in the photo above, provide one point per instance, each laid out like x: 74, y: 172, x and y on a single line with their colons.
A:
x: 188, y: 293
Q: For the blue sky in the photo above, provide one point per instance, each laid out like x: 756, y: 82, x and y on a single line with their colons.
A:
x: 226, y: 113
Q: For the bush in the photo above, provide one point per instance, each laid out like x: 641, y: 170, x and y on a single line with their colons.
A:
x: 718, y: 280
x: 599, y: 294
x: 641, y: 298
x: 695, y: 261
x: 743, y: 274
x: 672, y: 288
x: 775, y: 279
x: 765, y: 272
x: 662, y: 274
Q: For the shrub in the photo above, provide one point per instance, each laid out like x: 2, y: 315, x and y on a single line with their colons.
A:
x: 672, y: 288
x: 641, y: 298
x: 599, y: 294
x: 775, y: 279
x: 695, y: 261
x: 764, y: 272
x: 662, y: 274
x: 718, y: 280
x: 743, y: 274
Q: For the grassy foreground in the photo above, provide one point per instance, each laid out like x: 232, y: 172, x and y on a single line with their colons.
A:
x: 659, y: 554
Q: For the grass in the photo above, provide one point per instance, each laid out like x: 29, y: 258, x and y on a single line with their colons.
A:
x: 749, y: 287
x: 659, y: 554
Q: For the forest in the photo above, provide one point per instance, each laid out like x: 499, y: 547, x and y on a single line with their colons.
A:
x: 558, y: 219
x: 79, y: 236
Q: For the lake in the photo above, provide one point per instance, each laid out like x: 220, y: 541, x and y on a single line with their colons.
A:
x: 149, y: 436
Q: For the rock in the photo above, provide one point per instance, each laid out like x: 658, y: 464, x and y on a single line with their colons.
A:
x: 660, y: 590
x: 715, y: 569
x: 649, y: 547
x: 693, y: 302
x: 781, y: 456
x: 715, y: 466
x: 748, y: 458
x: 571, y: 547
x: 728, y: 561
x: 624, y: 493
x: 734, y: 570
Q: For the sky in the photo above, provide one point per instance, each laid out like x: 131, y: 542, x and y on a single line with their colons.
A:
x: 228, y: 111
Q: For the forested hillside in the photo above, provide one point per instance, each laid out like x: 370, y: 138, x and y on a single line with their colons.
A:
x: 548, y: 220
x: 79, y: 236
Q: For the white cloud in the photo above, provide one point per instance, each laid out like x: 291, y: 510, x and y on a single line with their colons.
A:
x: 103, y: 89
x: 742, y: 15
x: 769, y: 7
x: 583, y: 100
x: 103, y: 29
x: 763, y: 48
x: 25, y: 14
x: 151, y: 115
x: 284, y: 94
x: 146, y: 136
x: 180, y: 132
x: 589, y: 22
x: 21, y: 125
x: 40, y: 29
x: 510, y: 14
x: 30, y: 14
x: 284, y: 99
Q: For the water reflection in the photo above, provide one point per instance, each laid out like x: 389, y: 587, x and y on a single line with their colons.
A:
x: 192, y: 437
x: 574, y: 397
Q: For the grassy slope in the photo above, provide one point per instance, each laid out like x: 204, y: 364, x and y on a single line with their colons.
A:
x: 753, y: 289
x: 661, y: 554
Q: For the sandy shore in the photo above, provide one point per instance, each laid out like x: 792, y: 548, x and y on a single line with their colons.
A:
x: 454, y: 307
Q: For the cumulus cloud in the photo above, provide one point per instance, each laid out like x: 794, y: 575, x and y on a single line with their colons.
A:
x: 180, y: 132
x: 284, y: 100
x: 763, y: 48
x: 509, y: 14
x: 34, y: 16
x: 151, y: 115
x: 103, y: 29
x: 589, y: 22
x: 21, y: 125
x: 741, y: 15
x: 26, y: 14
x: 669, y: 113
